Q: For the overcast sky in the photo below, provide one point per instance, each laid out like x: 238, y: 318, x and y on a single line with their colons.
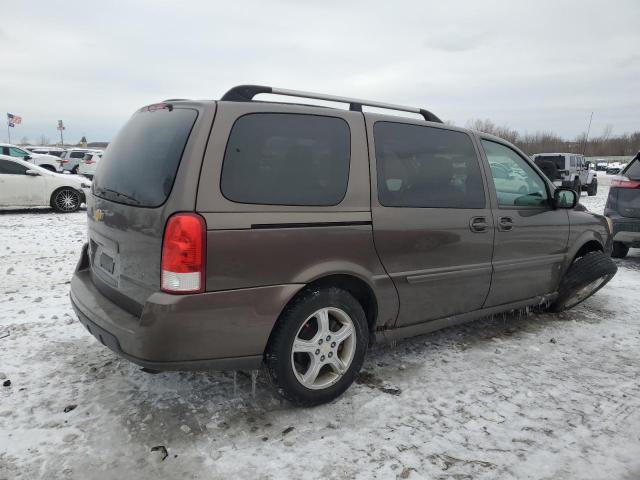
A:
x: 543, y: 65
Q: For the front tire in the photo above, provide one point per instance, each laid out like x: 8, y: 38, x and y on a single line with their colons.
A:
x: 65, y: 200
x: 585, y: 276
x: 317, y: 347
x: 620, y: 250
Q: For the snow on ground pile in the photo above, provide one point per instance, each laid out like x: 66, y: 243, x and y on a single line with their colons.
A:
x: 538, y: 396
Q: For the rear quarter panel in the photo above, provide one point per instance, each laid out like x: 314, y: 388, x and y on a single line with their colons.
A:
x: 259, y: 245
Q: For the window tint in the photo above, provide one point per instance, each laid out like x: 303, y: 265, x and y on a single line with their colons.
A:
x: 499, y: 171
x: 633, y: 171
x: 521, y: 185
x: 77, y: 154
x: 17, y: 152
x: 287, y: 159
x: 426, y: 167
x: 11, y: 168
x: 142, y: 161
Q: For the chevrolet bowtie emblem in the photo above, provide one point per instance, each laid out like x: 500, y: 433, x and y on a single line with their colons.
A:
x: 98, y: 215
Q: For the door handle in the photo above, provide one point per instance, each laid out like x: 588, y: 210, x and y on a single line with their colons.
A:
x: 505, y: 224
x: 478, y: 224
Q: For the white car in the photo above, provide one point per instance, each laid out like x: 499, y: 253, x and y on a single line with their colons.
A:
x: 508, y: 181
x: 49, y: 162
x: 89, y: 163
x: 615, y: 168
x: 23, y: 184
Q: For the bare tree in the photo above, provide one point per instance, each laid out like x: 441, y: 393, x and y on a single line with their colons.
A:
x: 24, y: 141
x: 44, y: 140
x: 605, y: 145
x: 487, y: 126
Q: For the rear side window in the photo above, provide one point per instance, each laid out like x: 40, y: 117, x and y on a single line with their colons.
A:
x: 287, y: 159
x: 141, y: 163
x: 77, y: 154
x: 426, y: 167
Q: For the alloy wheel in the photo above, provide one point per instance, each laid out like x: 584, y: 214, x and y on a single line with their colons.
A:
x: 67, y: 201
x: 323, y: 348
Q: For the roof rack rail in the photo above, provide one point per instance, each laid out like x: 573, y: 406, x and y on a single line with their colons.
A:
x: 245, y: 93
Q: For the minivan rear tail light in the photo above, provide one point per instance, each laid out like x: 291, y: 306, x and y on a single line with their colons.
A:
x: 184, y: 254
x: 625, y: 183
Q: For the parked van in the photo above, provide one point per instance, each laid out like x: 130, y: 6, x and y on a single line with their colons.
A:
x: 238, y: 233
x: 569, y: 170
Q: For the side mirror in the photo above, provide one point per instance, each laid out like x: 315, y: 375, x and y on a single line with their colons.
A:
x: 565, y: 198
x: 27, y: 157
x: 32, y: 173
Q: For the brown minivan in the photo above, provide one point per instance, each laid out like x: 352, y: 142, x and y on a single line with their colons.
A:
x: 235, y: 233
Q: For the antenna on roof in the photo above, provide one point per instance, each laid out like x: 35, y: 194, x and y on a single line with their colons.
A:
x: 586, y: 138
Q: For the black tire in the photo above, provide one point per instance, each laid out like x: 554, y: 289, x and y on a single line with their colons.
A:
x: 620, y: 250
x: 577, y: 186
x: 592, y: 190
x: 74, y: 170
x: 66, y: 200
x: 279, y: 356
x: 585, y: 276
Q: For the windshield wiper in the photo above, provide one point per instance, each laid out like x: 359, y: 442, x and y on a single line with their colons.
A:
x: 128, y: 197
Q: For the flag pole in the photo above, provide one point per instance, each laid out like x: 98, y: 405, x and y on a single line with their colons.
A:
x: 9, y: 131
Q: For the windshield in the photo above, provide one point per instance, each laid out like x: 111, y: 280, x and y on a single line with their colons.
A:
x: 140, y: 165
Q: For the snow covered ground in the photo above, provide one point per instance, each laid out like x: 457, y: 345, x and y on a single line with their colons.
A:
x: 538, y: 396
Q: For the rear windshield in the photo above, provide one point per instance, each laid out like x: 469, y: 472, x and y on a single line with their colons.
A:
x: 141, y: 163
x: 557, y: 160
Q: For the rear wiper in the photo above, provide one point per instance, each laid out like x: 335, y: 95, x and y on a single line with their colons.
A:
x: 109, y: 190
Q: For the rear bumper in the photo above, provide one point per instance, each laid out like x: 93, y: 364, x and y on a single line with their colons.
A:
x: 626, y: 230
x: 210, y: 331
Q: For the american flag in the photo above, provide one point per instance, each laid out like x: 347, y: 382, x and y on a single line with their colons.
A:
x: 13, y: 120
